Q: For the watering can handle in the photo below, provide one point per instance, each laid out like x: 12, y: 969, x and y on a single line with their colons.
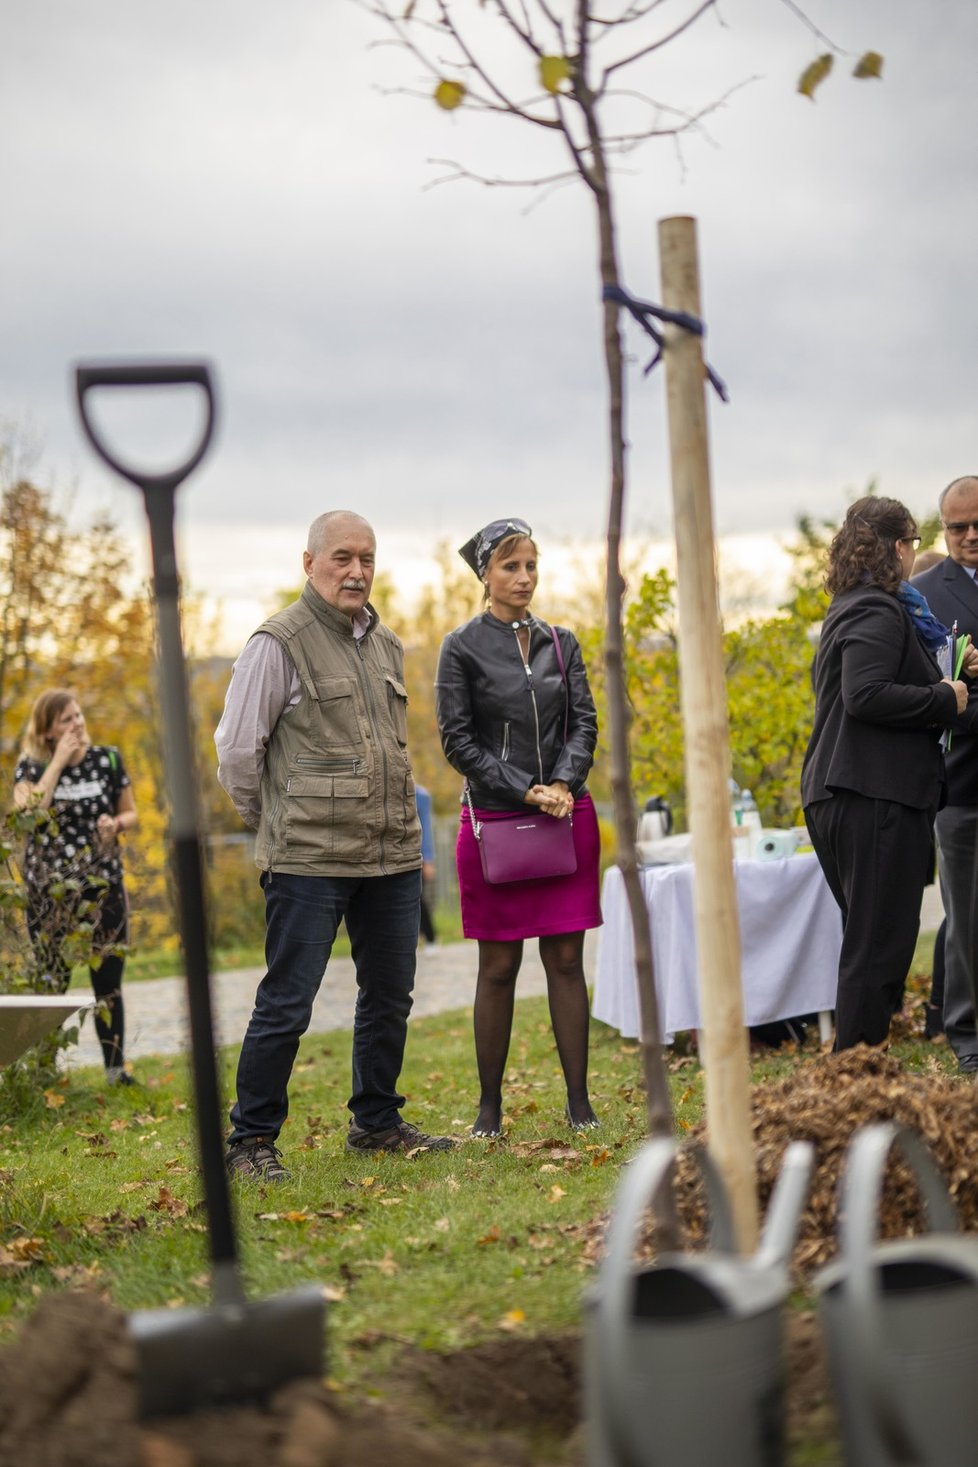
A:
x: 649, y: 1169
x: 861, y: 1191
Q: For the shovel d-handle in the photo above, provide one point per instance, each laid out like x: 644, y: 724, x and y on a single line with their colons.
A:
x: 159, y: 493
x: 648, y: 1171
x: 89, y: 375
x: 860, y: 1198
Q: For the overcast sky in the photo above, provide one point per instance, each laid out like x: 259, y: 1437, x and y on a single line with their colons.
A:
x: 229, y: 179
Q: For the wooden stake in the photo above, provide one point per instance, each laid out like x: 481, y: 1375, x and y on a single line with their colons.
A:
x: 723, y: 1036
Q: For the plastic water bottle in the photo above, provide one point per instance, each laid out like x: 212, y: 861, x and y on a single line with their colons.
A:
x: 738, y: 828
x: 751, y: 819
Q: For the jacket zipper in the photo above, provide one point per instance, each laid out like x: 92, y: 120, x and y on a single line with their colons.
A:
x: 505, y: 753
x: 378, y: 741
x: 533, y: 697
x: 328, y: 766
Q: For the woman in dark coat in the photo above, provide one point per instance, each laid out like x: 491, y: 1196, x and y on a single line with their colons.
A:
x: 873, y: 774
x: 522, y: 732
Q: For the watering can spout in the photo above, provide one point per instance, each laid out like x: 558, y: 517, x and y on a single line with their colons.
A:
x: 785, y: 1207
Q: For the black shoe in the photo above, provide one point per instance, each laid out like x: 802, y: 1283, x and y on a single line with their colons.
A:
x: 589, y: 1122
x: 968, y: 1064
x: 256, y: 1159
x: 401, y: 1137
x: 933, y: 1021
x: 118, y: 1076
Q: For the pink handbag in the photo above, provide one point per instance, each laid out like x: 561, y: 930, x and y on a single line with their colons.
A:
x: 525, y: 847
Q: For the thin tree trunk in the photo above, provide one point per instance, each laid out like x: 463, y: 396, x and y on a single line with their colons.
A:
x: 659, y: 1103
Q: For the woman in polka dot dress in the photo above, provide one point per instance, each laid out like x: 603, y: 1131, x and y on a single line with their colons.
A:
x: 88, y: 791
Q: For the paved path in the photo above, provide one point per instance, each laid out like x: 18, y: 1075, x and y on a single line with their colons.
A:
x: 156, y: 1010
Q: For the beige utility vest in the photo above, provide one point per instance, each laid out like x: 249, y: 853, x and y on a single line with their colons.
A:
x: 337, y: 792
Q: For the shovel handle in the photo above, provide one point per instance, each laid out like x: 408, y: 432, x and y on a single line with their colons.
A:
x: 145, y: 374
x: 159, y: 494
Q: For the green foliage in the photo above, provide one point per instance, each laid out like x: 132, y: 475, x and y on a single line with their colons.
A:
x: 21, y: 970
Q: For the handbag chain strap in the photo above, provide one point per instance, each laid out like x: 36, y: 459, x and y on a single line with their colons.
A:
x: 477, y: 824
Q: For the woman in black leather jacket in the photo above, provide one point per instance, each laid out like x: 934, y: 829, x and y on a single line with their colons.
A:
x: 522, y: 731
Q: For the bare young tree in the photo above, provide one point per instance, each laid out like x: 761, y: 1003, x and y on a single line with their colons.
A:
x: 564, y: 68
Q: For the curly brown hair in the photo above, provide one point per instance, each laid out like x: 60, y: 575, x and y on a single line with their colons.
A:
x: 865, y: 547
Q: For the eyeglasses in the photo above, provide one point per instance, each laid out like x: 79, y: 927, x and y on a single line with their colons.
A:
x: 913, y: 540
x: 958, y: 527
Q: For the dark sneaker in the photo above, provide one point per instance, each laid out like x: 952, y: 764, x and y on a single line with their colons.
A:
x: 257, y: 1159
x: 119, y: 1076
x: 402, y: 1137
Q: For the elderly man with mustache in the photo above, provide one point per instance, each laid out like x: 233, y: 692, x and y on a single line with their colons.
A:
x: 312, y: 752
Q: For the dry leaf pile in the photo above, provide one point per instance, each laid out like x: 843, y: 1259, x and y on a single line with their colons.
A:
x: 826, y: 1101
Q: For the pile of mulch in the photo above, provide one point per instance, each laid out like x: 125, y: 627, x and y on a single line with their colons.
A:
x: 825, y: 1101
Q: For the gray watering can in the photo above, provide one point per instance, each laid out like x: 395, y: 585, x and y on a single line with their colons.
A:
x: 684, y: 1365
x: 900, y: 1319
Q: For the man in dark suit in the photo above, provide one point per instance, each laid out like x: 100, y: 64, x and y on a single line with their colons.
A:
x: 952, y: 595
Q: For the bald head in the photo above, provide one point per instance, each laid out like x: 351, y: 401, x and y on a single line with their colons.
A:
x: 958, y: 505
x: 339, y: 559
x: 334, y: 521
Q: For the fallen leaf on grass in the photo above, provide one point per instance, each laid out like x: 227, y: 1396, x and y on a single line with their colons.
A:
x: 77, y: 1273
x: 600, y: 1157
x: 52, y: 1100
x: 289, y: 1217
x: 20, y: 1253
x: 166, y: 1202
x: 555, y: 1193
x: 512, y: 1319
x: 493, y: 1236
x: 390, y: 1201
x: 388, y: 1265
x: 442, y: 1224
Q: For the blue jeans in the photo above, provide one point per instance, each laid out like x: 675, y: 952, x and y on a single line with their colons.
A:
x: 302, y: 914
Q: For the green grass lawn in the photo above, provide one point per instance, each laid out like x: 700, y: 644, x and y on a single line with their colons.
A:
x: 101, y: 1187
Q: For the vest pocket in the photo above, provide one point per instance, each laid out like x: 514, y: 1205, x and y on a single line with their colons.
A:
x: 336, y: 697
x: 326, y: 817
x: 397, y: 706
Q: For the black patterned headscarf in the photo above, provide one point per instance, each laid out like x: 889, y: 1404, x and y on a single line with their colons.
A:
x: 477, y: 552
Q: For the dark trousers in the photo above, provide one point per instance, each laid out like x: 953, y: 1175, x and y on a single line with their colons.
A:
x: 50, y: 923
x: 302, y: 914
x: 957, y: 844
x: 427, y: 921
x: 875, y: 855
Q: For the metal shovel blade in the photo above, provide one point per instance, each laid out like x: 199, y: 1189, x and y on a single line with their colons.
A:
x: 227, y: 1353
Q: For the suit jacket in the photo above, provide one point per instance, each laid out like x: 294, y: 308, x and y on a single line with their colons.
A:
x: 953, y: 596
x: 880, y: 706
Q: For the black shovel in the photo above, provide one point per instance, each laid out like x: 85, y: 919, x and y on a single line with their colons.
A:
x: 233, y: 1350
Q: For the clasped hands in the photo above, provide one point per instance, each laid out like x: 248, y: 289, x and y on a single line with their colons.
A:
x: 555, y: 799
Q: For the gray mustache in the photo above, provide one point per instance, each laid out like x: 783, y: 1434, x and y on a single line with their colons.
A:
x: 354, y: 585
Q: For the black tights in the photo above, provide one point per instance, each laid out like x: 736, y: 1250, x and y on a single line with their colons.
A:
x: 499, y: 963
x: 48, y: 924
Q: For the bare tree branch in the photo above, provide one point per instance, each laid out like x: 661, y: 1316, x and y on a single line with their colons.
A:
x: 657, y: 44
x: 806, y: 20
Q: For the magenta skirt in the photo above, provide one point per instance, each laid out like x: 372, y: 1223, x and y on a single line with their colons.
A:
x: 543, y: 908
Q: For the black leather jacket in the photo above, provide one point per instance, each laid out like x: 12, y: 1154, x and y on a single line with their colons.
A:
x: 501, y: 723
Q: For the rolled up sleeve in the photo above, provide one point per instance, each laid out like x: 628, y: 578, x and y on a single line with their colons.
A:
x: 263, y: 684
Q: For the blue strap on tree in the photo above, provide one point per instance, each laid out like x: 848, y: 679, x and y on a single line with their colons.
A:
x: 643, y: 310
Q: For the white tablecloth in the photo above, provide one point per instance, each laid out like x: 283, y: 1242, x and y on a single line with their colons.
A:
x: 790, y: 933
